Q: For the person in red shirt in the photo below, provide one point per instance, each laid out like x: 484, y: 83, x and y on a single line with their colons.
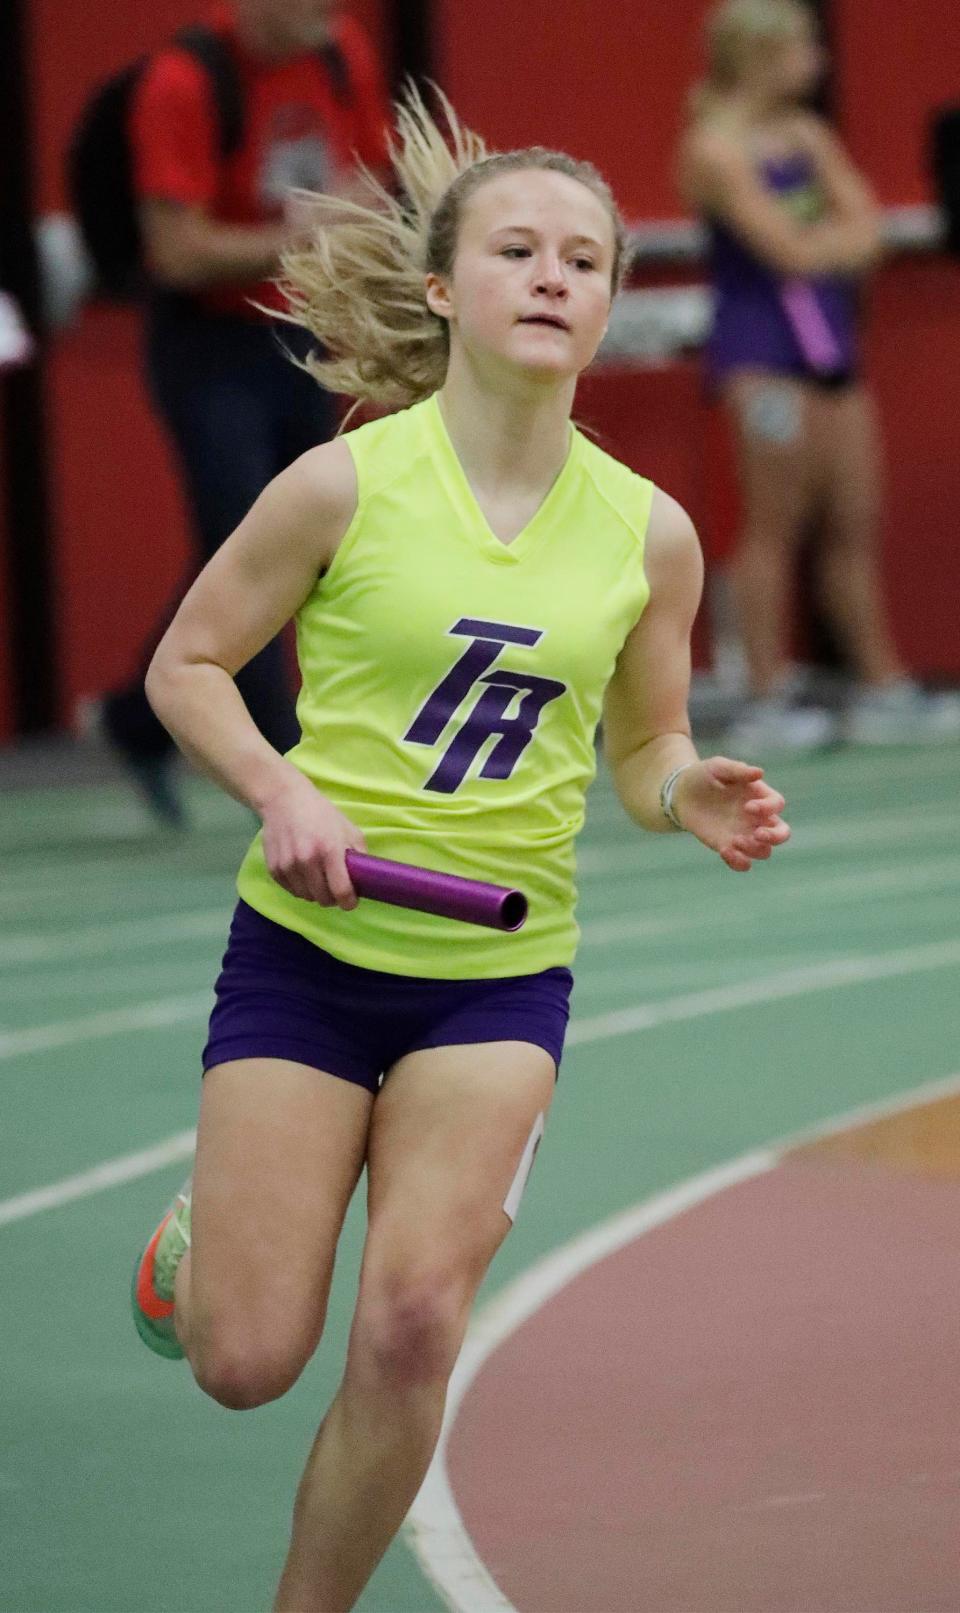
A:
x: 236, y: 410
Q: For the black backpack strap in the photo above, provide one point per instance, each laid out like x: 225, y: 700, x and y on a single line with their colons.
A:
x: 338, y: 70
x: 213, y: 52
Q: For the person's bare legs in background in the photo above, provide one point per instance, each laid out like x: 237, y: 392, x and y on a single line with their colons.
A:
x: 778, y: 482
x: 808, y: 453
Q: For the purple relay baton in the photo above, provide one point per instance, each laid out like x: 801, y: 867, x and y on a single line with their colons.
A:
x: 810, y: 326
x: 404, y: 885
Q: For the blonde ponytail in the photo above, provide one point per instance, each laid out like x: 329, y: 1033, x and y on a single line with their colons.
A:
x: 358, y: 285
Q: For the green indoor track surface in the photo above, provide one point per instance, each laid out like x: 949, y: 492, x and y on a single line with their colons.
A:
x: 124, y: 1490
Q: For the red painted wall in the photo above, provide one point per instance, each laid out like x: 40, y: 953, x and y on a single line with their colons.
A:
x: 913, y: 355
x: 605, y: 82
x: 122, y: 544
x: 896, y: 63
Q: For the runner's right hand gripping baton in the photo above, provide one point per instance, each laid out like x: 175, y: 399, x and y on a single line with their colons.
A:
x: 472, y: 901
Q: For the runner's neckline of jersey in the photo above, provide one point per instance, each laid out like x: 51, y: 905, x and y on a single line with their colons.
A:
x: 475, y: 522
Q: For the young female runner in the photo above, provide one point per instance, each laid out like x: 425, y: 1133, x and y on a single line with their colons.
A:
x: 793, y: 230
x: 470, y: 577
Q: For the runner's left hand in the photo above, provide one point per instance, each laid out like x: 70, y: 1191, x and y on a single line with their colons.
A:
x: 730, y: 808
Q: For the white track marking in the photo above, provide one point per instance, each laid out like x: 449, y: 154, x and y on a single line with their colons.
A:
x: 844, y: 971
x: 847, y: 971
x: 809, y: 783
x: 435, y: 1528
x: 879, y: 828
x: 100, y: 940
x: 56, y: 991
x: 939, y: 875
x: 128, y: 1168
x: 148, y: 1016
x: 662, y: 977
x: 600, y: 1027
x: 862, y: 828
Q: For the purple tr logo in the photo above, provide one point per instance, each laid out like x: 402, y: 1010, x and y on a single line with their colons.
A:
x: 488, y: 716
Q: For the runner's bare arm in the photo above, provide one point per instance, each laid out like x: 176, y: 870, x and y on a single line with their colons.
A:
x: 726, y: 804
x: 851, y: 199
x: 249, y: 590
x: 646, y: 728
x: 186, y: 248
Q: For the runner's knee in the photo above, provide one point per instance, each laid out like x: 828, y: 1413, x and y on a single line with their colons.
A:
x: 241, y: 1370
x: 408, y: 1331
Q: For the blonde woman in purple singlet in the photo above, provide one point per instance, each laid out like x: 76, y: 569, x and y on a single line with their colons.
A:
x: 793, y: 231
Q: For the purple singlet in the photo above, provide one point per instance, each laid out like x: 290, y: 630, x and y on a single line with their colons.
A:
x: 804, y: 328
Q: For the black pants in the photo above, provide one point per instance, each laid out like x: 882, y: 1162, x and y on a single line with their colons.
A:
x: 237, y: 412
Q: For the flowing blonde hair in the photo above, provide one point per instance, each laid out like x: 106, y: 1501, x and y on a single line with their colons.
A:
x: 735, y: 31
x: 358, y: 285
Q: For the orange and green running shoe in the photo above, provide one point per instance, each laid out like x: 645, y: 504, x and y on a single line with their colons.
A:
x: 151, y: 1293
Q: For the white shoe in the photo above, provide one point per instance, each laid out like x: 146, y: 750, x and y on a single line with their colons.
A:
x: 902, y: 713
x: 773, y: 724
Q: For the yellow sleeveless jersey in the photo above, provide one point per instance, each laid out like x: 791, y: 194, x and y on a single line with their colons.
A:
x: 452, y: 686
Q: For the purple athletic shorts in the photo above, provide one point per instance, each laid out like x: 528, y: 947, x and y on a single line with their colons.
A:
x: 279, y: 996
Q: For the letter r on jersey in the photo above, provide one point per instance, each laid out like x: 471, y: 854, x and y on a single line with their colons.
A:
x: 488, y: 717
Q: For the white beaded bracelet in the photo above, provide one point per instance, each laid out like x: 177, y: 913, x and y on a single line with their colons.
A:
x: 666, y: 795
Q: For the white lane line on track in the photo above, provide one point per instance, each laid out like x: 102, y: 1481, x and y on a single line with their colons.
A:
x: 848, y: 789
x: 154, y: 1015
x: 803, y: 782
x: 844, y: 971
x: 848, y: 971
x: 832, y: 890
x: 870, y: 829
x: 174, y: 970
x: 98, y: 940
x: 113, y: 1172
x: 600, y: 1027
x: 435, y: 1528
x: 870, y: 826
x: 102, y: 940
